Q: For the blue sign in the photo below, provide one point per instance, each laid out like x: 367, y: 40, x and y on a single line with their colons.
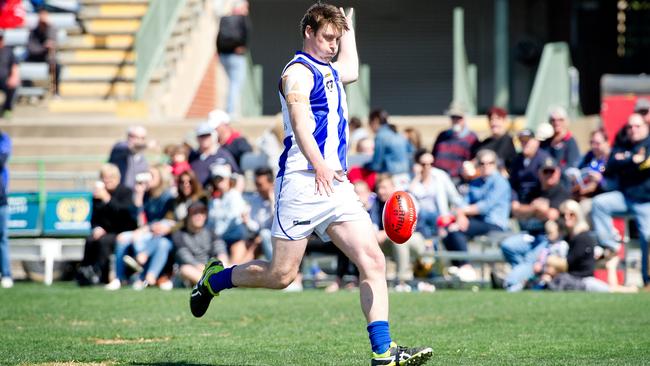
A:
x: 67, y: 213
x: 23, y: 213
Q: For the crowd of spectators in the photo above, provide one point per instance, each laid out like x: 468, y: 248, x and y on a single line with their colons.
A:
x: 551, y: 206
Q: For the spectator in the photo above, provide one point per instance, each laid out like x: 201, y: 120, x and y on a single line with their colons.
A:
x: 270, y: 143
x: 189, y: 190
x: 561, y: 146
x: 129, y: 155
x: 9, y: 76
x: 499, y: 140
x: 196, y: 244
x: 227, y: 136
x: 632, y: 166
x: 588, y: 179
x: 487, y: 209
x: 357, y: 132
x: 209, y: 153
x: 580, y: 258
x: 392, y: 152
x: 5, y: 263
x: 113, y: 213
x: 524, y: 177
x: 401, y: 252
x: 178, y: 156
x: 232, y: 45
x: 535, y: 208
x: 434, y: 193
x: 41, y: 47
x: 261, y: 204
x: 149, y: 243
x: 641, y: 107
x: 455, y: 145
x: 226, y: 215
x: 414, y: 138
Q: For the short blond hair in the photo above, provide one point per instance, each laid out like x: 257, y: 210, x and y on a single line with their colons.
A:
x: 110, y: 170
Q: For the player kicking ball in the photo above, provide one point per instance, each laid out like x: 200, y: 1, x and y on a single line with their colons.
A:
x: 312, y: 191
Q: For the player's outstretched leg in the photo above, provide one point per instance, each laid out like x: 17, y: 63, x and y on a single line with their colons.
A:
x: 398, y: 355
x: 202, y: 293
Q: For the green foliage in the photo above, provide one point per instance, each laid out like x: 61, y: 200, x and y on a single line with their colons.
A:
x: 64, y: 323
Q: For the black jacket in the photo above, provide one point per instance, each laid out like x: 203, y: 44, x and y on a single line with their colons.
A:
x: 118, y: 214
x: 633, y: 178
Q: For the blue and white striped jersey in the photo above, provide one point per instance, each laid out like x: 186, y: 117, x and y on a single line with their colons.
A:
x: 329, y: 114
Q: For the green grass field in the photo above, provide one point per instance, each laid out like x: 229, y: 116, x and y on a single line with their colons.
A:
x: 66, y: 325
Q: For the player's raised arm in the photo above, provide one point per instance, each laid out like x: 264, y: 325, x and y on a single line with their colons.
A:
x: 348, y: 59
x: 297, y: 83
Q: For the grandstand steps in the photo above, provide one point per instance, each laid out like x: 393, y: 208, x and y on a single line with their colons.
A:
x: 96, y: 56
x: 113, y: 10
x: 103, y: 73
x: 96, y: 41
x: 110, y: 24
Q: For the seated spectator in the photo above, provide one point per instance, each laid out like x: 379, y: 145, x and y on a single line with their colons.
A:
x: 641, y: 107
x: 588, y: 179
x: 179, y: 155
x: 524, y: 177
x: 400, y: 252
x: 41, y: 47
x: 434, y: 193
x: 113, y: 212
x: 147, y: 249
x: 9, y: 77
x: 561, y: 146
x: 487, y: 209
x: 231, y: 139
x: 188, y: 191
x: 209, y: 153
x: 580, y: 260
x: 551, y: 260
x: 270, y: 143
x: 499, y: 140
x: 260, y: 218
x: 227, y: 209
x: 129, y: 155
x: 532, y: 211
x: 196, y: 244
x: 357, y: 133
x: 414, y: 138
x: 392, y: 153
x: 455, y: 145
x: 632, y: 166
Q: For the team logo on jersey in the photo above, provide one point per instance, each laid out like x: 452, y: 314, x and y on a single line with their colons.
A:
x: 303, y: 222
x: 329, y: 85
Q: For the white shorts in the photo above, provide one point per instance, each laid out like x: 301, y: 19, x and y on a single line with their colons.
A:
x: 299, y: 211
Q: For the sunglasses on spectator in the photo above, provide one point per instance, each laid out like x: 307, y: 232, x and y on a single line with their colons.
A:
x: 555, y: 119
x: 567, y: 213
x: 643, y: 112
x: 485, y: 163
x: 548, y: 171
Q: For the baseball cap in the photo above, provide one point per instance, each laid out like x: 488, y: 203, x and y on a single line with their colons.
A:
x: 548, y: 163
x: 218, y: 117
x: 220, y: 170
x: 196, y: 207
x: 544, y: 131
x: 526, y: 132
x: 204, y: 129
x: 455, y: 110
x: 497, y: 111
x: 642, y: 105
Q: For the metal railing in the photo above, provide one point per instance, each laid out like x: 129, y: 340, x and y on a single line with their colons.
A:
x: 151, y: 40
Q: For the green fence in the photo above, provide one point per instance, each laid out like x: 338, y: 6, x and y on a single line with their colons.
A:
x: 151, y: 40
x: 465, y: 86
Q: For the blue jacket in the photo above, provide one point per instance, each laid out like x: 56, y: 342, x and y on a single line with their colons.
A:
x: 492, y: 197
x: 5, y: 152
x: 391, y: 152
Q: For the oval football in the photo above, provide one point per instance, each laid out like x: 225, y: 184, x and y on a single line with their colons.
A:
x: 399, y: 217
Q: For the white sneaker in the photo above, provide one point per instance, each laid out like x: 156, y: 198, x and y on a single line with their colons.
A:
x: 295, y: 286
x: 166, y: 286
x: 426, y: 287
x: 402, y: 287
x: 140, y: 285
x: 114, y: 285
x: 467, y: 274
x: 7, y: 282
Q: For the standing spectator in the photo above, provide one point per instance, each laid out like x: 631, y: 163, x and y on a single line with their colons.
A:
x: 231, y: 139
x: 129, y: 155
x: 232, y: 45
x: 632, y: 166
x: 113, y: 213
x: 209, y: 153
x: 455, y: 145
x: 392, y: 152
x: 524, y: 177
x: 196, y: 244
x: 561, y: 146
x: 487, y: 209
x: 499, y: 140
x: 9, y: 76
x: 41, y: 47
x: 261, y: 204
x: 5, y: 263
x: 532, y: 210
x: 434, y: 192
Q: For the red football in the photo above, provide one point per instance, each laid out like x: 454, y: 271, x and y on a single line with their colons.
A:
x: 399, y: 217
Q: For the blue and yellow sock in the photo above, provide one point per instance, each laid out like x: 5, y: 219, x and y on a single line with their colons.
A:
x: 379, y: 336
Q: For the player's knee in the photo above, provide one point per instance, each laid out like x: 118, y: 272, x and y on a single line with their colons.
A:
x: 373, y: 262
x: 282, y: 279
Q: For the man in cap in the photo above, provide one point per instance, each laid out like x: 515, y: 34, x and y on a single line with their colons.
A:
x: 209, y: 153
x: 455, y: 145
x: 231, y: 139
x: 524, y: 178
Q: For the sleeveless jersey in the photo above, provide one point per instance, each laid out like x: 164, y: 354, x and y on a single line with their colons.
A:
x: 328, y: 114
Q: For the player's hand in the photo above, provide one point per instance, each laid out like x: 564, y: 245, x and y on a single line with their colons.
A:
x: 348, y: 16
x: 325, y: 180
